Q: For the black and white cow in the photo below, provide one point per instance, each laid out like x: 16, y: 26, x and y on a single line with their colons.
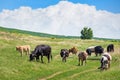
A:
x: 96, y: 49
x: 64, y: 53
x: 105, y: 61
x: 90, y: 49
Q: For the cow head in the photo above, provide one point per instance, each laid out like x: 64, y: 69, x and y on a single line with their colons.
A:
x: 32, y: 56
x: 17, y: 48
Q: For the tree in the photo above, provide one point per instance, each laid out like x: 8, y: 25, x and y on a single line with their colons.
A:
x: 86, y: 33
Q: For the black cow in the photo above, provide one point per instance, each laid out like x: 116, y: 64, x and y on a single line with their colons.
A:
x: 110, y: 48
x: 64, y: 53
x: 41, y: 50
x: 99, y: 50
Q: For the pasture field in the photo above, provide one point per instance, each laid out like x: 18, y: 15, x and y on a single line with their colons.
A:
x: 15, y: 67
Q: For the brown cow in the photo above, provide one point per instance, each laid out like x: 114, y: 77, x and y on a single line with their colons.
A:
x: 73, y: 50
x: 24, y: 48
x: 83, y: 57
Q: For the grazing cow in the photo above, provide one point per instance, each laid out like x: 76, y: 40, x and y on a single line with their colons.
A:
x: 73, y: 50
x: 64, y: 53
x: 89, y: 50
x: 83, y: 57
x: 24, y: 48
x: 98, y: 50
x: 105, y: 61
x: 110, y: 48
x: 41, y: 50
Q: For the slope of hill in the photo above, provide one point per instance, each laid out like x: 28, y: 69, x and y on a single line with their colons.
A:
x: 47, y: 35
x: 15, y: 67
x: 35, y: 33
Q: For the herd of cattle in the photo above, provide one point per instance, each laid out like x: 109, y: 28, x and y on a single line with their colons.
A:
x: 45, y: 50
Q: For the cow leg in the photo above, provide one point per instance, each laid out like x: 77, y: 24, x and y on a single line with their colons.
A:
x: 42, y: 59
x: 48, y: 58
x: 100, y: 54
x: 108, y: 64
x: 37, y: 58
x: 51, y: 57
x: 65, y: 59
x: 90, y: 53
x: 81, y: 62
x: 85, y: 62
x: 28, y: 51
x: 96, y: 54
x: 78, y: 61
x: 101, y: 65
x: 21, y: 52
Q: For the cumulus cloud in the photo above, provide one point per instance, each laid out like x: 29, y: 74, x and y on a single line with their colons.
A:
x: 64, y: 18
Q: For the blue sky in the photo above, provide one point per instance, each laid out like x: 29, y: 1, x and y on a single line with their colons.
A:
x: 60, y: 17
x: 108, y: 5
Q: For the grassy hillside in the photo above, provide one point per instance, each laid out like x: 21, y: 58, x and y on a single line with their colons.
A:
x: 35, y: 33
x: 10, y: 30
x: 14, y: 67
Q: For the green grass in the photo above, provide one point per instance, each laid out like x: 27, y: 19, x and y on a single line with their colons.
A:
x: 14, y: 67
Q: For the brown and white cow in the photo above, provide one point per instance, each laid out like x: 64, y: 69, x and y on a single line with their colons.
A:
x: 23, y: 48
x: 97, y: 49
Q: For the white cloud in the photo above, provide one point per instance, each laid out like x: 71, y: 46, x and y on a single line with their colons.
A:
x: 65, y: 18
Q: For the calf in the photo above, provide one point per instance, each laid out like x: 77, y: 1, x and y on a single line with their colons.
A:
x: 41, y: 50
x: 83, y: 57
x: 24, y: 48
x: 64, y: 53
